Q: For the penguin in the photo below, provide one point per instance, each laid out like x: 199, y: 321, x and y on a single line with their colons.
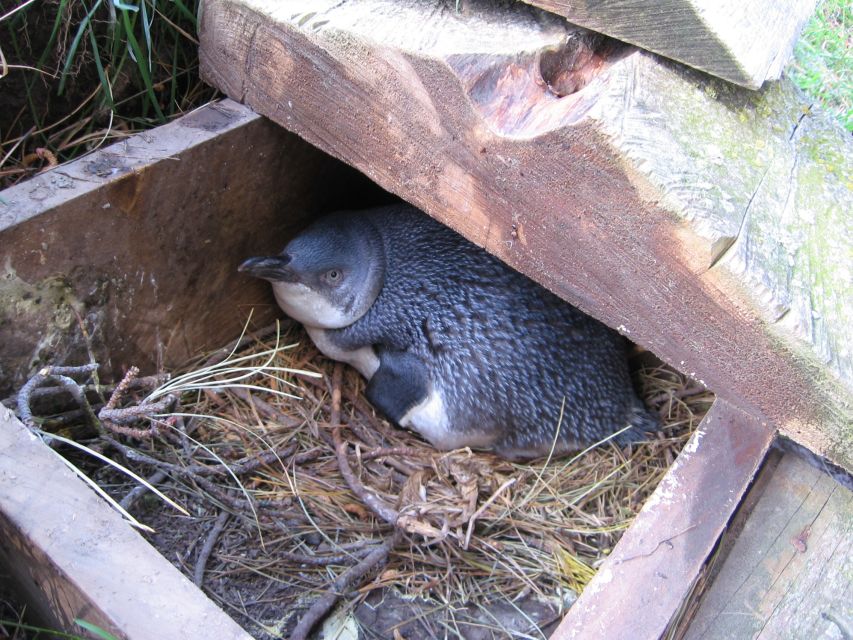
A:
x: 454, y: 344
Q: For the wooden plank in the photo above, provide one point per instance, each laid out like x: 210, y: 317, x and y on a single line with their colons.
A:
x: 790, y: 572
x: 74, y: 557
x: 140, y: 242
x: 705, y: 221
x: 644, y: 581
x: 743, y: 41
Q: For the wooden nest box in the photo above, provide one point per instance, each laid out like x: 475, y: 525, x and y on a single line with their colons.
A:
x: 708, y: 222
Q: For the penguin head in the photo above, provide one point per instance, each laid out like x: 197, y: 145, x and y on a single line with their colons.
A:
x: 329, y: 275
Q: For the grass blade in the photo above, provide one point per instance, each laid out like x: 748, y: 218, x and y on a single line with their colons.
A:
x: 118, y: 467
x: 75, y: 43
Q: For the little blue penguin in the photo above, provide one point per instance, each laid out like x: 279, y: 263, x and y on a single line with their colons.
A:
x: 454, y: 344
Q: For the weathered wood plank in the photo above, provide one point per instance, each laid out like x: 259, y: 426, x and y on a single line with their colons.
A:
x: 742, y: 41
x: 790, y: 572
x: 705, y: 221
x: 74, y: 557
x: 140, y: 242
x: 645, y: 580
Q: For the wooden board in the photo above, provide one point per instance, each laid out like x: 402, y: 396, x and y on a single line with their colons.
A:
x: 706, y: 222
x: 139, y: 243
x: 790, y: 572
x: 743, y: 41
x: 74, y: 557
x: 641, y: 586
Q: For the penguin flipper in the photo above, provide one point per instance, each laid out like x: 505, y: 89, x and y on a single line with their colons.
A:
x: 400, y: 383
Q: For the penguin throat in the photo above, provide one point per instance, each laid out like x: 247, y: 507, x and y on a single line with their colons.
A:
x: 310, y: 307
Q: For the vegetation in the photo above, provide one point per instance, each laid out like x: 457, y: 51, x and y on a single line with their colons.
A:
x: 822, y: 65
x: 77, y: 74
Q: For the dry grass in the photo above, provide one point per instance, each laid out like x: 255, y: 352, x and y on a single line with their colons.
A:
x: 477, y: 527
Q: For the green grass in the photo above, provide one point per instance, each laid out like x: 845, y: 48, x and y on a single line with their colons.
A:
x: 77, y: 74
x: 37, y: 632
x: 822, y: 65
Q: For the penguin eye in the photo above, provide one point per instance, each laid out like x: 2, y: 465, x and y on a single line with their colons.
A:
x: 333, y: 276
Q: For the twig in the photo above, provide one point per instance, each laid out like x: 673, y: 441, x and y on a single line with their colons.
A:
x: 266, y: 409
x: 137, y: 492
x: 207, y: 549
x: 408, y: 452
x: 374, y: 502
x: 483, y: 508
x: 121, y: 387
x: 197, y: 470
x: 50, y: 392
x: 60, y: 420
x: 342, y: 585
x: 59, y: 375
x: 135, y: 412
x: 340, y: 558
x: 665, y: 541
x: 113, y: 418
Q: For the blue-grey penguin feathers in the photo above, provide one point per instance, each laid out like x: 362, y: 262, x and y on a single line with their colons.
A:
x: 455, y: 344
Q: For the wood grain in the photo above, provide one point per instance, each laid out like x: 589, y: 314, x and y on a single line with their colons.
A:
x: 743, y: 42
x: 790, y: 572
x: 73, y: 557
x: 706, y: 222
x: 642, y: 584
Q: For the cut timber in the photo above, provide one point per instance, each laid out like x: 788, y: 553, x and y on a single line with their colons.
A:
x: 139, y: 243
x: 790, y: 572
x: 742, y: 41
x: 707, y: 222
x: 75, y: 558
x: 643, y: 583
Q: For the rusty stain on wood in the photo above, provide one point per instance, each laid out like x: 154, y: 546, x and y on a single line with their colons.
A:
x: 643, y: 583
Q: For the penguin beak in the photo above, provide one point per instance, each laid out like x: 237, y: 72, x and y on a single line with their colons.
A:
x: 272, y: 268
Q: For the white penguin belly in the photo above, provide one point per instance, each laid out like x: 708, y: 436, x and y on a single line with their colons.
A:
x: 430, y: 419
x: 363, y: 359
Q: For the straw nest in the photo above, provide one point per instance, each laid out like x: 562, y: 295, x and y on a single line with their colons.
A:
x: 458, y: 527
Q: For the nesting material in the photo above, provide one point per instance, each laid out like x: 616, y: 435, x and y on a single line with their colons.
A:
x: 473, y: 528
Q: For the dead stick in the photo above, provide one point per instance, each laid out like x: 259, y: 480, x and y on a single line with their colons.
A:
x: 50, y: 392
x: 320, y: 560
x: 395, y: 451
x: 207, y: 549
x: 352, y: 576
x: 195, y: 470
x: 121, y: 387
x: 60, y: 375
x: 130, y: 499
x: 482, y: 510
x: 374, y: 502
